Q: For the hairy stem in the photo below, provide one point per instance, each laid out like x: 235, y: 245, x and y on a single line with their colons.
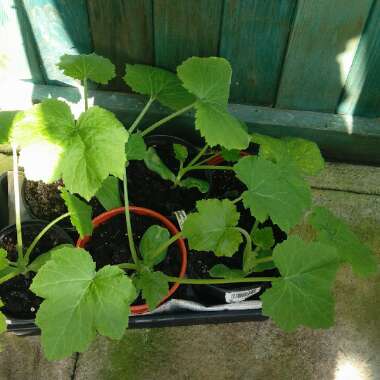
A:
x: 16, y: 190
x: 206, y: 160
x: 218, y: 280
x: 41, y: 234
x: 264, y: 260
x: 198, y: 156
x: 8, y: 276
x: 129, y: 224
x: 169, y: 242
x: 255, y: 226
x: 237, y: 200
x: 206, y: 167
x: 127, y: 266
x: 246, y: 235
x: 166, y: 119
x: 141, y: 115
x: 85, y: 93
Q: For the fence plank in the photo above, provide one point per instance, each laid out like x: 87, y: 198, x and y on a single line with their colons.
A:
x: 18, y: 56
x: 59, y: 27
x: 185, y: 28
x: 321, y: 48
x: 122, y: 30
x: 254, y: 40
x: 361, y: 94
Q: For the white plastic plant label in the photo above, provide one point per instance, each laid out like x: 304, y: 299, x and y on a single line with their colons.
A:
x: 242, y: 295
x: 181, y: 217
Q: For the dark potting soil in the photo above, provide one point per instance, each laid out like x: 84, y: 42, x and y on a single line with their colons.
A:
x: 19, y: 301
x: 109, y: 244
x: 45, y: 202
x: 148, y: 189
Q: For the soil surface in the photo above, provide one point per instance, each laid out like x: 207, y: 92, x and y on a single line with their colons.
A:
x: 19, y: 301
x: 109, y: 244
x: 148, y: 189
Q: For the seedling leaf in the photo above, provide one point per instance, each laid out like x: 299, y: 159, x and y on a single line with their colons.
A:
x: 87, y: 66
x: 263, y: 237
x: 180, y: 152
x: 274, y: 191
x: 153, y: 162
x: 190, y: 182
x: 153, y: 285
x: 109, y: 193
x: 303, y: 294
x: 223, y: 271
x: 80, y: 213
x: 333, y: 231
x: 153, y: 237
x: 213, y: 227
x: 209, y: 80
x: 135, y: 148
x: 79, y: 302
x: 159, y: 84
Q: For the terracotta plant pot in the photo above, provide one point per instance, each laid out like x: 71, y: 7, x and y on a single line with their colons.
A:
x: 103, y: 218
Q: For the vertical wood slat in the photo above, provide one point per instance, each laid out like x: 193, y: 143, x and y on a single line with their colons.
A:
x: 321, y: 48
x: 122, y: 30
x: 186, y: 28
x: 19, y: 58
x: 254, y: 39
x: 361, y: 94
x: 59, y: 27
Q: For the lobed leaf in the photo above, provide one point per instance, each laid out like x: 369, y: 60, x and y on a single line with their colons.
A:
x: 213, y: 227
x: 154, y: 163
x: 87, y: 66
x: 303, y: 294
x: 223, y: 271
x: 79, y: 302
x: 159, y: 84
x: 303, y: 154
x: 209, y: 80
x: 109, y: 193
x: 80, y: 213
x: 153, y: 285
x: 263, y: 237
x: 153, y: 238
x: 333, y: 231
x: 274, y: 191
x: 135, y: 148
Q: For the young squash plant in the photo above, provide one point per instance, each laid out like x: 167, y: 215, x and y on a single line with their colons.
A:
x: 80, y: 301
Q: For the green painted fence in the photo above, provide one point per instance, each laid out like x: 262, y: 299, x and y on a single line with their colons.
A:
x: 306, y: 55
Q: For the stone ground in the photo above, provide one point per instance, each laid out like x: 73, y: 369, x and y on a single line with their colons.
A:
x: 249, y: 350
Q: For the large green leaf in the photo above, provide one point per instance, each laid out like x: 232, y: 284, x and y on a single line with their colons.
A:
x: 213, y: 227
x: 87, y: 66
x: 3, y: 322
x: 274, y: 191
x: 3, y: 259
x: 303, y: 294
x: 80, y: 213
x: 333, y: 231
x: 109, y: 193
x: 153, y: 238
x: 6, y: 125
x: 159, y: 84
x: 84, y: 154
x: 302, y: 154
x: 153, y: 285
x: 155, y: 164
x: 135, y: 149
x: 79, y: 302
x: 209, y: 80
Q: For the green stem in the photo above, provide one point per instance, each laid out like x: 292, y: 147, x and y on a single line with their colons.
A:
x: 255, y: 225
x: 246, y: 235
x: 127, y: 266
x: 129, y: 224
x: 206, y: 160
x: 206, y: 167
x: 85, y: 93
x: 264, y: 260
x: 165, y: 245
x: 166, y: 119
x: 198, y: 156
x: 16, y: 189
x: 211, y: 281
x: 141, y: 115
x: 8, y: 276
x: 41, y: 234
x: 237, y: 200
